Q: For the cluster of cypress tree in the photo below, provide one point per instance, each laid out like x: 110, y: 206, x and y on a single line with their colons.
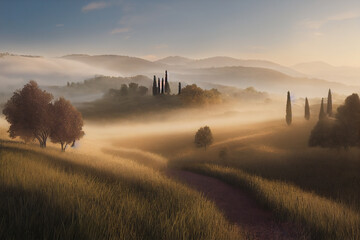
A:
x: 329, y: 113
x: 341, y: 129
x: 322, y: 113
x: 161, y: 86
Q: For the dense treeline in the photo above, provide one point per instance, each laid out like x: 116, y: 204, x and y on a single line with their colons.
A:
x: 194, y: 95
x: 133, y: 89
x: 342, y: 130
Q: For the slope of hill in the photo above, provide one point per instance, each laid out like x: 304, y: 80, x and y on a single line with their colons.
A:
x: 265, y: 80
x: 175, y: 60
x: 95, y: 88
x: 46, y: 194
x: 121, y: 64
x: 222, y: 61
x: 343, y: 74
x: 15, y: 70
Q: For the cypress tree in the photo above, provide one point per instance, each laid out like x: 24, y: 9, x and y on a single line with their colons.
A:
x: 288, y: 110
x: 167, y: 86
x: 179, y: 91
x: 162, y: 86
x: 322, y: 114
x: 155, y: 90
x: 307, y: 109
x: 158, y: 88
x: 329, y: 104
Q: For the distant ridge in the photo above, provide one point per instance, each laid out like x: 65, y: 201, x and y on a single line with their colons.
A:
x: 223, y: 61
x: 319, y: 69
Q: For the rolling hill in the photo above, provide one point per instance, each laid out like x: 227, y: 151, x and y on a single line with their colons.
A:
x: 342, y: 74
x: 222, y: 61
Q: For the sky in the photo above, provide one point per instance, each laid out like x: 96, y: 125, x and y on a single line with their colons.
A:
x: 287, y: 31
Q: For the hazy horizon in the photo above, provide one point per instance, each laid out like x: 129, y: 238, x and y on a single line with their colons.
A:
x: 287, y: 33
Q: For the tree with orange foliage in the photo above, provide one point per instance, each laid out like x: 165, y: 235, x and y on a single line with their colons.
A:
x: 27, y: 111
x: 67, y: 123
x: 192, y: 95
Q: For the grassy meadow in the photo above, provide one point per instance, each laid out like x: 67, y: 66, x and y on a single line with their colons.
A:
x: 317, y: 188
x: 114, y: 185
x: 46, y: 194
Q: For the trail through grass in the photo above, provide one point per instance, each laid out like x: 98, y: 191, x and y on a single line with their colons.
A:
x: 323, y: 218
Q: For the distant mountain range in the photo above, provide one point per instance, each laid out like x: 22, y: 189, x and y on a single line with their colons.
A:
x: 263, y: 75
x: 123, y: 64
x: 215, y: 62
x: 343, y: 74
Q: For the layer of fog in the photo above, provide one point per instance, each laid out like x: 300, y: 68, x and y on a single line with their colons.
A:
x: 190, y: 120
x: 15, y: 71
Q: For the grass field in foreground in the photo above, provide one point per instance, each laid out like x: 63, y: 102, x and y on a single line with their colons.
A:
x: 323, y: 218
x: 45, y: 194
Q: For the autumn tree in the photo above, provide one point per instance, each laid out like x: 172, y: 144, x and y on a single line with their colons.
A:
x: 67, y: 123
x: 288, y: 110
x: 307, y: 109
x: 27, y: 111
x: 194, y: 95
x: 203, y: 137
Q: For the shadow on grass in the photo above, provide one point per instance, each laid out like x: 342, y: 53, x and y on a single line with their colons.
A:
x: 31, y: 215
x: 142, y: 189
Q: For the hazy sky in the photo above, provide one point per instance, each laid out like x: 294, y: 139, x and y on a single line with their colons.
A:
x: 285, y: 31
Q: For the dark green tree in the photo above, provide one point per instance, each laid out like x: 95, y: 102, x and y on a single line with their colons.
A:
x: 167, y: 85
x: 162, y: 86
x: 142, y: 91
x: 307, y: 109
x: 133, y: 88
x: 348, y: 116
x: 329, y: 104
x: 179, y: 90
x: 159, y: 88
x: 341, y: 131
x: 324, y: 134
x: 203, y: 137
x: 124, y: 90
x: 155, y: 90
x: 322, y: 114
x: 288, y: 110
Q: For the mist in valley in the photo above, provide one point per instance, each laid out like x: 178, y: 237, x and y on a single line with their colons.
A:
x: 179, y: 120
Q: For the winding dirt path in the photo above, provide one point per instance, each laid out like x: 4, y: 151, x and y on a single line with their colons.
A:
x: 239, y: 207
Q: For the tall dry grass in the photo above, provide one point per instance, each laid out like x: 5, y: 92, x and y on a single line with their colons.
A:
x: 319, y: 188
x: 46, y: 194
x: 323, y: 218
